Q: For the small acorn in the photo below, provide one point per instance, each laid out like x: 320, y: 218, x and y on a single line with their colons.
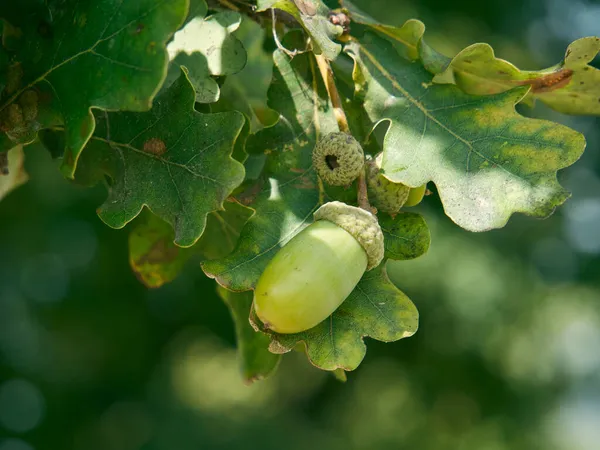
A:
x: 384, y: 194
x: 415, y: 195
x: 310, y: 277
x: 338, y: 158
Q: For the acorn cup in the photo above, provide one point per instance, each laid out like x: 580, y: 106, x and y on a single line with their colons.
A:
x: 386, y: 195
x: 338, y: 158
x: 311, y: 276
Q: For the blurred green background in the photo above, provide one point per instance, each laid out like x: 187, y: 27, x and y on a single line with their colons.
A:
x: 507, y: 355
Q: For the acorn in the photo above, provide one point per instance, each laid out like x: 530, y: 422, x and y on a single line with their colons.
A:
x: 338, y: 158
x: 311, y: 276
x: 384, y: 194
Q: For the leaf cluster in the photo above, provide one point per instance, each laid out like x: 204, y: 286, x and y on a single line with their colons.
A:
x: 201, y: 124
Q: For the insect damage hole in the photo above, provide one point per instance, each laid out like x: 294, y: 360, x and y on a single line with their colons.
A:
x: 332, y: 162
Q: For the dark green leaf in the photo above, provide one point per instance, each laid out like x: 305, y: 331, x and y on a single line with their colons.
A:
x: 406, y: 235
x: 90, y: 54
x: 172, y: 159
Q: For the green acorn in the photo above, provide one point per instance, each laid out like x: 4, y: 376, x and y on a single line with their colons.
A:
x: 310, y: 277
x: 338, y: 158
x: 384, y: 194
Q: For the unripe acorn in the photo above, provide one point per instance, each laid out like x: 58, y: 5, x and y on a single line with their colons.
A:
x: 384, y: 194
x: 416, y: 195
x: 338, y: 158
x: 310, y: 277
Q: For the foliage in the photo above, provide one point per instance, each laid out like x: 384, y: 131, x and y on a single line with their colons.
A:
x: 145, y: 101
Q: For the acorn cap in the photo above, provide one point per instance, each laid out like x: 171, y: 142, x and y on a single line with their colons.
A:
x: 359, y: 223
x: 338, y: 158
x: 384, y: 194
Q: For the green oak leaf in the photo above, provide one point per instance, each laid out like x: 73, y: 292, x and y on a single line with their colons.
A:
x: 406, y: 38
x: 116, y: 62
x: 207, y: 48
x: 153, y: 256
x: 570, y: 87
x: 255, y: 360
x: 13, y: 173
x: 223, y: 230
x: 313, y: 16
x: 406, y: 236
x: 486, y: 160
x: 172, y: 159
x: 376, y: 309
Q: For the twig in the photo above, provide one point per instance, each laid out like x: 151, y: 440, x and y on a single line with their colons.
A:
x: 362, y: 197
x: 334, y: 95
x: 342, y: 121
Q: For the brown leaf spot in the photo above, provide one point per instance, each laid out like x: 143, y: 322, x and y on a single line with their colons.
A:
x: 162, y: 251
x: 155, y: 146
x: 139, y: 28
x: 550, y: 82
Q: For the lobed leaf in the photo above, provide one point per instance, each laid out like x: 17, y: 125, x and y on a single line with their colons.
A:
x: 486, y: 160
x: 172, y: 159
x: 117, y: 62
x: 207, y: 48
x: 376, y: 309
x: 406, y: 38
x: 570, y: 87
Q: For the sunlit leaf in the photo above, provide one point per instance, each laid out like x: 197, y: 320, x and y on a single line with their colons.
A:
x: 207, y: 47
x: 486, y: 160
x: 405, y: 38
x: 571, y: 87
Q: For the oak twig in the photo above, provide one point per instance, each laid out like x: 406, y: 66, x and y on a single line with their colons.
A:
x: 342, y: 121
